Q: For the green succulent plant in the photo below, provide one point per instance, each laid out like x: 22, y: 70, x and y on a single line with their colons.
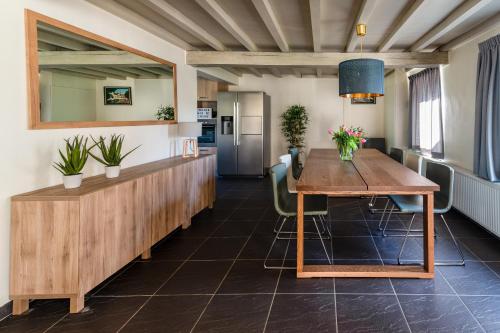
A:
x: 112, y: 153
x: 75, y: 158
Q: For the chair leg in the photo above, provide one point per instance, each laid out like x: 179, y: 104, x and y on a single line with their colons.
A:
x: 460, y: 263
x: 383, y: 215
x: 322, y: 242
x: 370, y: 204
x: 388, y: 220
x: 405, y: 239
x: 271, y: 249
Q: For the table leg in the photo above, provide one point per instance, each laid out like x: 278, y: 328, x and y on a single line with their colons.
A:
x: 429, y: 232
x: 300, y: 233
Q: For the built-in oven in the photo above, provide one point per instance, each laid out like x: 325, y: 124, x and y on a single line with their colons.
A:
x: 208, y: 136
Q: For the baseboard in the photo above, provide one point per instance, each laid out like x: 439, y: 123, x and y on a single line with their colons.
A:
x: 5, y: 310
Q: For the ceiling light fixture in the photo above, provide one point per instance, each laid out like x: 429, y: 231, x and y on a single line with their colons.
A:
x: 363, y: 77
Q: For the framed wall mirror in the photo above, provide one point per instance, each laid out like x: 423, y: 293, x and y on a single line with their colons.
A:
x: 79, y: 79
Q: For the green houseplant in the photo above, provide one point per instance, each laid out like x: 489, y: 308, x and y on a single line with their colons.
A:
x: 111, y: 154
x: 165, y: 113
x: 294, y: 125
x: 72, y: 161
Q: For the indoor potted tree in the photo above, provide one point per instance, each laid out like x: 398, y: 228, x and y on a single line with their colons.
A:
x: 294, y: 125
x: 165, y: 113
x: 111, y: 154
x: 73, y: 161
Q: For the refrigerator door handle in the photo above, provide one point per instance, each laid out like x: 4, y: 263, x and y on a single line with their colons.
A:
x: 238, y: 124
x: 235, y: 128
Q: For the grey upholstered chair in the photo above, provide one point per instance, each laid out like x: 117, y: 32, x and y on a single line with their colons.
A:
x: 296, y: 167
x: 285, y: 204
x: 443, y: 175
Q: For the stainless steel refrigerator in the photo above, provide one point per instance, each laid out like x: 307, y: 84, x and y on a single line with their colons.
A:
x: 243, y: 133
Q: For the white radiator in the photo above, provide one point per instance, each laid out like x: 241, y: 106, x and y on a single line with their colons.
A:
x: 478, y: 199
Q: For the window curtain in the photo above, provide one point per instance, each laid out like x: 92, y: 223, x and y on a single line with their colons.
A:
x: 426, y: 120
x: 487, y: 127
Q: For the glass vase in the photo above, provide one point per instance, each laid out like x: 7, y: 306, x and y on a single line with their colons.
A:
x: 345, y: 152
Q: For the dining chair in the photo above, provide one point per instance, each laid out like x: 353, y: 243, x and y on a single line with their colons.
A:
x: 292, y: 182
x: 414, y: 162
x: 376, y: 143
x: 444, y: 176
x: 296, y: 167
x: 397, y: 155
x: 285, y: 204
x: 286, y: 159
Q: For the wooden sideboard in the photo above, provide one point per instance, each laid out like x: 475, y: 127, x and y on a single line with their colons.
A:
x: 66, y: 242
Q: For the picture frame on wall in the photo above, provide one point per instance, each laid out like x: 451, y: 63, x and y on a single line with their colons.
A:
x: 367, y: 100
x: 117, y: 95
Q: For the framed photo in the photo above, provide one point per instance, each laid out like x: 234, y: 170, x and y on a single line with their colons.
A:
x: 368, y: 100
x: 117, y: 95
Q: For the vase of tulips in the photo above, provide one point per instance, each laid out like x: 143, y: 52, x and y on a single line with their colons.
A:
x: 347, y: 140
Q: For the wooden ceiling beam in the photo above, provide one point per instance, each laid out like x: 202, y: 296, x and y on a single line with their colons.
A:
x: 86, y: 58
x: 113, y: 71
x: 458, y: 16
x: 397, y: 29
x: 267, y: 15
x: 172, y: 14
x: 137, y: 71
x: 362, y: 16
x: 319, y: 72
x: 233, y: 71
x: 296, y: 72
x: 60, y: 41
x: 126, y: 14
x: 84, y: 40
x: 315, y: 10
x: 255, y: 71
x: 491, y: 23
x: 311, y: 59
x: 72, y: 73
x: 276, y: 72
x: 221, y: 16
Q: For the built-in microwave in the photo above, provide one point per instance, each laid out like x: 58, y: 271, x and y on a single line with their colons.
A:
x: 208, y: 136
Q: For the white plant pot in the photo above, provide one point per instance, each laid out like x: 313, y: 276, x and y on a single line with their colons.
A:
x: 73, y: 181
x: 112, y: 171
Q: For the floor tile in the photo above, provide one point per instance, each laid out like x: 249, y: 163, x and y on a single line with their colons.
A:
x: 486, y: 249
x: 219, y: 248
x: 196, y: 277
x: 104, y: 314
x: 370, y: 313
x: 175, y: 248
x: 220, y: 212
x: 143, y: 278
x: 235, y: 229
x: 249, y: 276
x: 41, y: 316
x: 235, y: 313
x: 200, y: 229
x: 438, y: 285
x: 168, y: 314
x: 302, y: 313
x: 363, y: 286
x: 474, y: 278
x: 259, y: 244
x: 354, y: 248
x: 290, y: 284
x: 437, y: 313
x: 486, y: 309
x: 247, y: 214
x: 350, y: 228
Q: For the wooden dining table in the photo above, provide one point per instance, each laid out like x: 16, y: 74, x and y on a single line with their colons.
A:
x: 369, y: 173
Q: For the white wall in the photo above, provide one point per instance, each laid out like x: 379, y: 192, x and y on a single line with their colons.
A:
x: 323, y: 104
x: 459, y: 91
x: 396, y: 111
x: 27, y: 154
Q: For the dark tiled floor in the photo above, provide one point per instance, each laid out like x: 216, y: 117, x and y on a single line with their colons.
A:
x: 210, y: 278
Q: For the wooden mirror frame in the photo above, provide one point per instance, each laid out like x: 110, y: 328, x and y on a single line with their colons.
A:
x: 33, y: 85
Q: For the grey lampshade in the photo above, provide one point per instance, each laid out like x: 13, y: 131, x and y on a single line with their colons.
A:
x: 361, y: 78
x: 189, y: 130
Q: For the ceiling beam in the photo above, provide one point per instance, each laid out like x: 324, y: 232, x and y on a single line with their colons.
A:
x: 255, y: 71
x: 459, y: 15
x: 126, y: 14
x: 42, y: 46
x: 60, y: 41
x: 296, y: 72
x: 218, y: 74
x: 276, y: 72
x: 234, y: 71
x: 86, y: 72
x: 113, y: 71
x: 491, y: 23
x: 319, y: 72
x: 267, y: 15
x: 102, y: 71
x: 72, y: 73
x: 137, y: 71
x: 172, y: 14
x: 153, y: 71
x: 315, y: 9
x: 311, y: 59
x: 59, y: 32
x: 86, y: 58
x: 221, y: 16
x: 401, y: 21
x: 364, y: 12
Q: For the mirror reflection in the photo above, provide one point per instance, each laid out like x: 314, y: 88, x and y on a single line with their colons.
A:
x: 85, y: 80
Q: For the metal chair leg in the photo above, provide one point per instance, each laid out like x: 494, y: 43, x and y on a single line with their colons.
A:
x: 460, y: 263
x: 405, y: 239
x: 322, y: 243
x: 388, y: 219
x: 271, y: 249
x: 383, y: 214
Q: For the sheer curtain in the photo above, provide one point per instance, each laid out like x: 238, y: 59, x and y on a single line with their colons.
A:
x: 487, y: 129
x: 426, y: 120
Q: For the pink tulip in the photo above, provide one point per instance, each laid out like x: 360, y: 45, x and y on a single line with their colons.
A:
x: 363, y: 140
x: 330, y: 131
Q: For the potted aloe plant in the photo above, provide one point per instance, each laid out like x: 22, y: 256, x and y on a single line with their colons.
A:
x: 73, y: 161
x: 111, y: 154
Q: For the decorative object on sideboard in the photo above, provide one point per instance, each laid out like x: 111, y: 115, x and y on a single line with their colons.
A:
x: 191, y: 131
x: 111, y: 154
x: 294, y: 125
x: 165, y: 112
x: 348, y: 140
x: 73, y: 161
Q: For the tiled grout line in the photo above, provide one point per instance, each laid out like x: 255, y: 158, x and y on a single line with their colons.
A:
x: 390, y: 280
x: 114, y: 278
x: 330, y: 225
x: 225, y: 276
x: 480, y: 260
x: 170, y: 277
x: 301, y: 293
